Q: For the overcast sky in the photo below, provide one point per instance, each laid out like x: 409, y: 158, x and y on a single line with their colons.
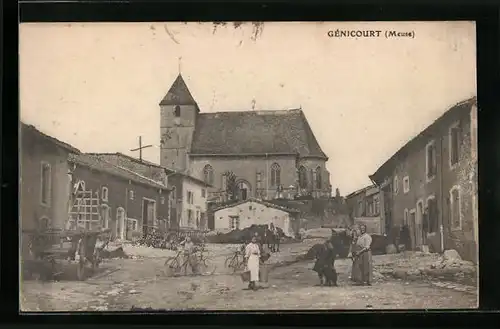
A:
x: 97, y: 86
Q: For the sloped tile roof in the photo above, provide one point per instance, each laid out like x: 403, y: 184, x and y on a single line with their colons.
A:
x: 254, y: 132
x: 25, y: 127
x: 178, y: 94
x: 262, y: 202
x: 110, y: 157
x: 361, y: 190
x: 423, y: 135
x: 94, y: 162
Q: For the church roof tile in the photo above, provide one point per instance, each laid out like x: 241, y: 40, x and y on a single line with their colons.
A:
x: 255, y: 132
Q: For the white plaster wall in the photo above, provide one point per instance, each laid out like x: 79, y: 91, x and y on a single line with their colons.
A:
x: 253, y: 213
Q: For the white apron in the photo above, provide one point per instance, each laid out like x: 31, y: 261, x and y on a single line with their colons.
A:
x: 252, y: 252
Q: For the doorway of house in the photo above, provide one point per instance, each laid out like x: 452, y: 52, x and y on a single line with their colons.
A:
x: 387, y: 207
x: 120, y: 224
x: 105, y: 216
x: 419, y: 222
x: 211, y: 221
x: 413, y: 231
x: 148, y: 215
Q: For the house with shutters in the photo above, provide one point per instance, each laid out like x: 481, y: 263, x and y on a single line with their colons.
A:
x: 273, y: 154
x: 44, y: 183
x: 130, y: 204
x: 364, y: 208
x: 430, y: 184
x: 187, y: 201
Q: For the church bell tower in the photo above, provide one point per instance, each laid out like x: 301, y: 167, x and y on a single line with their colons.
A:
x: 178, y: 117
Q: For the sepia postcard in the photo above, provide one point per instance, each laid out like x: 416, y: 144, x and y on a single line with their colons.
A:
x: 248, y: 166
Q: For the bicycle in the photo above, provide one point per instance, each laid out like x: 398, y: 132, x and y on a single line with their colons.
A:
x: 176, y: 264
x: 235, y: 261
x: 204, y: 263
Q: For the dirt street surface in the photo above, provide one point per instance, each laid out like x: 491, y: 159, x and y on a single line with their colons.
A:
x: 140, y: 282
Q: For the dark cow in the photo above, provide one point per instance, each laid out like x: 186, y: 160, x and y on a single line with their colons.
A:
x: 325, y: 264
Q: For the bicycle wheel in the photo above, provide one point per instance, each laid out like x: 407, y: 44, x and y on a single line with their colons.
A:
x: 234, y: 265
x: 229, y: 260
x: 206, y: 267
x: 172, y: 266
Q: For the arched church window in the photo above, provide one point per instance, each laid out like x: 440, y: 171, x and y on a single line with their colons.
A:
x: 208, y: 174
x: 318, y: 177
x: 177, y: 111
x: 275, y: 174
x: 302, y: 177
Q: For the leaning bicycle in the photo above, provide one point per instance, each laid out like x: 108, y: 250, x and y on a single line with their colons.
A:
x: 204, y: 264
x: 176, y: 265
x: 198, y: 261
x: 235, y: 261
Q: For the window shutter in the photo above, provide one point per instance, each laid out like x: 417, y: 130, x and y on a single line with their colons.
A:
x: 434, y: 162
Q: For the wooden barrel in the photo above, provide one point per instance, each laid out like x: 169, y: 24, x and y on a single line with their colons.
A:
x: 263, y: 273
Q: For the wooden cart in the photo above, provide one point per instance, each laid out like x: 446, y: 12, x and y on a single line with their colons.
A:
x: 78, y: 247
x: 77, y: 241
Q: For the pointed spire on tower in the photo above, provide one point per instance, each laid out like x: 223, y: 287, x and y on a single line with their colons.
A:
x: 179, y: 93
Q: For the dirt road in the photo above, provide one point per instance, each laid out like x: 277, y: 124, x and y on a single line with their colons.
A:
x: 141, y: 283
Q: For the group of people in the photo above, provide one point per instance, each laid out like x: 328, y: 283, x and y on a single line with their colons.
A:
x: 255, y: 255
x: 360, y: 253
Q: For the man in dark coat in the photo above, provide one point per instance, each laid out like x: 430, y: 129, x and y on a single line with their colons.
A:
x: 325, y: 265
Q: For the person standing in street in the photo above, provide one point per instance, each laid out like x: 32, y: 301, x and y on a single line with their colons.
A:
x: 364, y: 256
x: 355, y: 271
x: 188, y: 249
x: 252, y: 257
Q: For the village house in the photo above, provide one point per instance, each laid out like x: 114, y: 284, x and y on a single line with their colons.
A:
x: 364, y: 208
x: 245, y: 213
x: 273, y: 154
x: 45, y: 183
x: 129, y: 204
x: 430, y: 184
x: 188, y: 196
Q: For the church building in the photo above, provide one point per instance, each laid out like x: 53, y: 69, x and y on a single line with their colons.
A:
x: 271, y: 154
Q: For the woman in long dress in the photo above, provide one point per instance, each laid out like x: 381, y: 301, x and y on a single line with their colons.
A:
x: 355, y: 271
x: 364, y: 256
x: 252, y: 256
